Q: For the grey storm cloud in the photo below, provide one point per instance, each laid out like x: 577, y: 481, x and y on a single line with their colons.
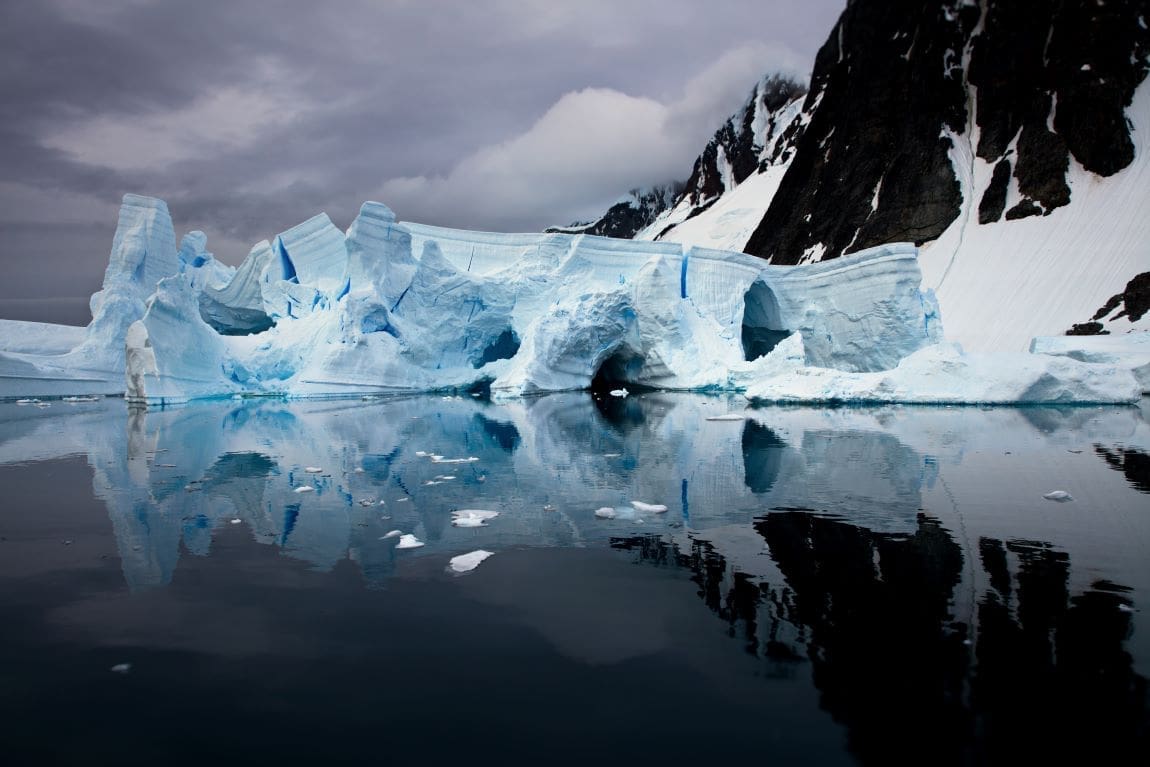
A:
x: 248, y: 117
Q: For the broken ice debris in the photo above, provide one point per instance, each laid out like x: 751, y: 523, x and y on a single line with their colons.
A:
x: 472, y: 517
x: 304, y: 489
x: 605, y: 512
x: 121, y: 668
x: 465, y: 563
x: 650, y: 508
x: 391, y: 534
x: 619, y: 392
x: 1058, y: 495
x: 727, y: 417
x: 314, y: 470
x: 408, y: 541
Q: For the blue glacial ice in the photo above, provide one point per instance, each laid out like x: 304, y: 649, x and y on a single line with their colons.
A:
x: 392, y: 306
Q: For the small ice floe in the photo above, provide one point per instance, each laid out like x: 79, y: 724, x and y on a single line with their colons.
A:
x: 66, y: 542
x: 313, y: 470
x: 605, y: 513
x: 382, y: 502
x: 304, y: 489
x: 472, y: 517
x: 1125, y: 608
x: 548, y: 507
x: 441, y: 459
x: 444, y: 477
x: 121, y: 668
x: 81, y: 399
x: 359, y: 470
x: 42, y: 405
x: 727, y: 417
x: 236, y: 521
x: 391, y: 534
x: 421, y: 453
x: 1074, y: 451
x: 612, y: 455
x: 366, y: 501
x: 431, y: 482
x: 408, y: 541
x: 649, y: 508
x: 402, y: 500
x: 27, y: 401
x: 619, y: 392
x: 165, y: 465
x: 1058, y: 495
x: 465, y: 563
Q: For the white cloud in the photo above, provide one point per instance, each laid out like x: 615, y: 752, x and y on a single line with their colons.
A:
x: 587, y: 149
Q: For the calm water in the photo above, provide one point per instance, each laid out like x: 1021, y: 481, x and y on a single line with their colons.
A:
x: 828, y: 586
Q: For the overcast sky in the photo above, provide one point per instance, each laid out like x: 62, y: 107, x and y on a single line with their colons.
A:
x: 248, y: 117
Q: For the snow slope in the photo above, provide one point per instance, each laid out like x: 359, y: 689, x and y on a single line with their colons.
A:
x: 1044, y: 273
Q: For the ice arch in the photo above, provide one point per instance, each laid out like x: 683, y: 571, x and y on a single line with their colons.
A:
x: 763, y: 327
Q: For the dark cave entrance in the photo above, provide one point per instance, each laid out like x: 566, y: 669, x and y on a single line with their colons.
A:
x: 762, y: 322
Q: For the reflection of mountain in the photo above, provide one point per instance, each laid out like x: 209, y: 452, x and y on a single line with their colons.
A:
x: 1134, y: 464
x: 1038, y: 674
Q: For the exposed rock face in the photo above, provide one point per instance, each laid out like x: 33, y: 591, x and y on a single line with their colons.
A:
x: 633, y: 212
x: 747, y: 142
x: 890, y: 91
x: 1132, y: 304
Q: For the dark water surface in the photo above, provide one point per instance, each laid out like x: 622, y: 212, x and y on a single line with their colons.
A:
x: 875, y: 586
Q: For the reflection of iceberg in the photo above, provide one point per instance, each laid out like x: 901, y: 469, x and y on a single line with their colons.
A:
x: 171, y: 477
x: 392, y: 306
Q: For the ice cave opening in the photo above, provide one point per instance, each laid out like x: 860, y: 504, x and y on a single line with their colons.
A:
x: 618, y: 371
x: 504, y: 347
x: 763, y: 328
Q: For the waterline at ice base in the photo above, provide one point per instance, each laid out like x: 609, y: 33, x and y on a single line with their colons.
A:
x: 389, y: 307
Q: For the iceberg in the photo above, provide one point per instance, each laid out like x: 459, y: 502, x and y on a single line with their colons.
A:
x: 391, y: 306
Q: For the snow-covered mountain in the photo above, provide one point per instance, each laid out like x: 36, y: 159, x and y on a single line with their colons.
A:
x: 631, y: 213
x: 1010, y: 141
x: 736, y: 174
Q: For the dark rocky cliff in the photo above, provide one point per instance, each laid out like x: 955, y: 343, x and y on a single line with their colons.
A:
x: 898, y: 80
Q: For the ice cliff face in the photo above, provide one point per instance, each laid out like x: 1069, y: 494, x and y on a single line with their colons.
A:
x: 390, y: 306
x: 393, y: 306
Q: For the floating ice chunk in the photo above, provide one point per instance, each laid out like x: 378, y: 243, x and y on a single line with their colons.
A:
x: 441, y: 459
x: 472, y: 517
x: 612, y: 455
x: 314, y: 470
x: 408, y: 541
x: 402, y: 500
x: 366, y: 501
x: 606, y: 512
x: 304, y: 489
x: 1058, y: 495
x: 391, y: 534
x: 619, y: 392
x: 421, y: 453
x: 1125, y: 608
x: 27, y: 401
x: 359, y: 470
x: 121, y: 668
x: 81, y: 399
x: 727, y: 417
x: 649, y: 508
x: 236, y: 521
x: 465, y: 563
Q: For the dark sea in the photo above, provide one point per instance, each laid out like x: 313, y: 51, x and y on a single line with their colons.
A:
x: 803, y: 586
